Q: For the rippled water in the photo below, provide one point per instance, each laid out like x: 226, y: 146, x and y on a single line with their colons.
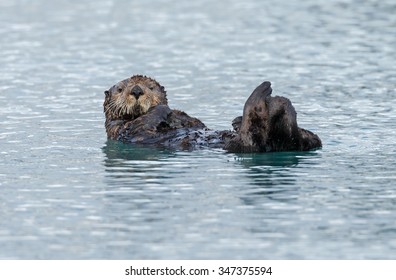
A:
x: 68, y: 193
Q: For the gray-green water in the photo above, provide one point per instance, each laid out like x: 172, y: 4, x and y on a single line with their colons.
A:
x: 68, y: 193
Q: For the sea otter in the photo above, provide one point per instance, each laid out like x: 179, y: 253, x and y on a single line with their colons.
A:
x: 137, y: 112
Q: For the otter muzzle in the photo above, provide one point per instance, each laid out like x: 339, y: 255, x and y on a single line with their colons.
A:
x: 137, y: 91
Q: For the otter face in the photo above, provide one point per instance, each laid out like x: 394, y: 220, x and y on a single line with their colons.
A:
x: 133, y: 97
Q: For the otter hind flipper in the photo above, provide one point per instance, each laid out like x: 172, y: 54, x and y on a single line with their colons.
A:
x: 261, y: 92
x: 309, y: 140
x: 252, y: 128
x: 269, y: 124
x: 264, y: 89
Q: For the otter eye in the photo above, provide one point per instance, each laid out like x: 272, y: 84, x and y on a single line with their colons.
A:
x: 151, y: 88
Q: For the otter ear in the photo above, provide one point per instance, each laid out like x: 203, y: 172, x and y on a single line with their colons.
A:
x: 164, y: 92
x: 162, y: 89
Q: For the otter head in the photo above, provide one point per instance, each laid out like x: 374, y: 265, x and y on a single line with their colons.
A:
x: 132, y: 98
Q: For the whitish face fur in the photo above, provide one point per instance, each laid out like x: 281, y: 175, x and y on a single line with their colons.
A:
x: 132, y: 98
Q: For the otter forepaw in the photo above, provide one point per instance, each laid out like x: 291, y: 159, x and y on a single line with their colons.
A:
x: 236, y: 123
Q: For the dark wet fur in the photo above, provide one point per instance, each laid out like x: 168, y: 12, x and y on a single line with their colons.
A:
x: 268, y: 124
x: 161, y: 126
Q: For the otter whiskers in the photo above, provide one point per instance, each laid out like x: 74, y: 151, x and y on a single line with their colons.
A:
x: 119, y: 108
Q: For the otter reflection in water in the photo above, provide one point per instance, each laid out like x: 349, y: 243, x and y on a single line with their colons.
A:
x: 137, y: 112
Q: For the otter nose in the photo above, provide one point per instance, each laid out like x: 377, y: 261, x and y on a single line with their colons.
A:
x: 137, y: 91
